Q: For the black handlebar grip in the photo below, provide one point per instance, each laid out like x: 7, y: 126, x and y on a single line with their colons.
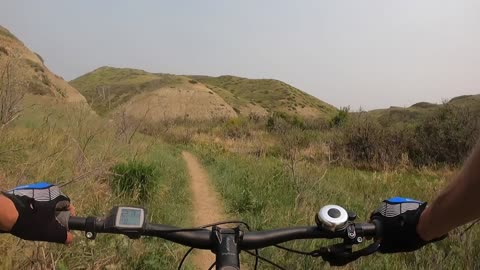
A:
x: 368, y: 229
x: 378, y: 228
x: 77, y: 223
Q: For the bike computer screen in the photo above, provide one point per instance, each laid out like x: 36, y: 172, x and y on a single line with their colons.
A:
x: 130, y: 217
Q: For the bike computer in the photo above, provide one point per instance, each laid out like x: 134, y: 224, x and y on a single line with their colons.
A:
x: 128, y: 220
x: 130, y: 217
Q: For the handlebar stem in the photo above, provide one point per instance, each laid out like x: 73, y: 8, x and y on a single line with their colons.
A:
x: 226, y: 248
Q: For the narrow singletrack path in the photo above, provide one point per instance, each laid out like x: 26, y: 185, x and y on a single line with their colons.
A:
x: 206, y: 203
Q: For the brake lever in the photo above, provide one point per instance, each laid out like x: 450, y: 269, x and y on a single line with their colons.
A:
x: 336, y: 255
x: 341, y: 254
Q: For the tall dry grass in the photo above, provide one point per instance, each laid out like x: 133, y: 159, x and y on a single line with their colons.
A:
x: 67, y: 144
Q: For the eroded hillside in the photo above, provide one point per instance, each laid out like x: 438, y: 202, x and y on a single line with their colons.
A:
x: 135, y: 91
x: 20, y: 65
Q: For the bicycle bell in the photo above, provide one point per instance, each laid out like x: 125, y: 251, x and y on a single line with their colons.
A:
x: 332, y: 217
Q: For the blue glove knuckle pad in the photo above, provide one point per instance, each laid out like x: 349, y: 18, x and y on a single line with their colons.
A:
x: 402, y: 200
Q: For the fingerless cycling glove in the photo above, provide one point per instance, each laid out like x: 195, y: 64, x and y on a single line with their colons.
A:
x: 398, y: 218
x: 42, y: 212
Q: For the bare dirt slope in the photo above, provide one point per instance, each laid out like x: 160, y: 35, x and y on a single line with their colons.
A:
x: 207, y: 206
x: 200, y: 97
x: 187, y: 101
x: 28, y: 69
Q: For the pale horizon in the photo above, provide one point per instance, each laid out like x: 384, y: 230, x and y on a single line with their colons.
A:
x: 369, y: 54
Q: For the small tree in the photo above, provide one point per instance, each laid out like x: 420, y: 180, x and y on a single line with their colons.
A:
x: 293, y: 142
x: 11, y: 94
x: 340, y: 118
x: 127, y: 126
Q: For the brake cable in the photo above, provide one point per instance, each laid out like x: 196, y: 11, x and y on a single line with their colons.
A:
x: 264, y: 259
x: 201, y: 228
x: 294, y: 250
x: 226, y: 222
x: 337, y: 254
x: 341, y: 254
x: 184, y: 258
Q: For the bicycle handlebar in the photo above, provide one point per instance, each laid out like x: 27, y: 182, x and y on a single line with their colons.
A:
x: 202, y: 238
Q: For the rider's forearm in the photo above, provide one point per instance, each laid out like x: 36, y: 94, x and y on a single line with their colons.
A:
x: 455, y: 205
x: 8, y: 214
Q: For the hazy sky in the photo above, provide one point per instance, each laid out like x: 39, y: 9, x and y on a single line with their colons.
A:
x: 369, y: 53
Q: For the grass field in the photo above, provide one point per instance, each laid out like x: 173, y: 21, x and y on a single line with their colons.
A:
x: 269, y: 179
x: 261, y: 191
x: 55, y: 144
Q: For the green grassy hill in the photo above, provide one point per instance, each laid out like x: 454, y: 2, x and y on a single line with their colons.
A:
x: 422, y: 110
x: 272, y: 95
x: 107, y: 88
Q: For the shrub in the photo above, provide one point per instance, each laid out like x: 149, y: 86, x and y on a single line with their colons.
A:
x: 297, y: 138
x: 134, y: 178
x: 6, y: 33
x: 446, y: 137
x: 11, y: 94
x: 365, y: 143
x: 61, y: 92
x: 280, y: 122
x: 237, y: 128
x: 245, y: 201
x: 254, y: 117
x: 46, y: 80
x: 38, y: 88
x: 340, y: 118
x: 184, y: 137
x: 36, y: 66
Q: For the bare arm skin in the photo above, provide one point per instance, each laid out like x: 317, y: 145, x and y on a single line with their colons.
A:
x: 457, y: 204
x: 8, y: 214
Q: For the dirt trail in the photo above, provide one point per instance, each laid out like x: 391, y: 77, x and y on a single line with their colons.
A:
x: 207, y: 206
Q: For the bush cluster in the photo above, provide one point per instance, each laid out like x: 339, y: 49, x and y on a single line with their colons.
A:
x: 363, y: 142
x: 280, y: 122
x: 237, y: 128
x: 443, y: 138
x: 446, y: 138
x: 133, y: 178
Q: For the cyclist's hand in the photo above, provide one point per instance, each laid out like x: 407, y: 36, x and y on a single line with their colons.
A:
x: 43, y: 213
x: 398, y: 218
